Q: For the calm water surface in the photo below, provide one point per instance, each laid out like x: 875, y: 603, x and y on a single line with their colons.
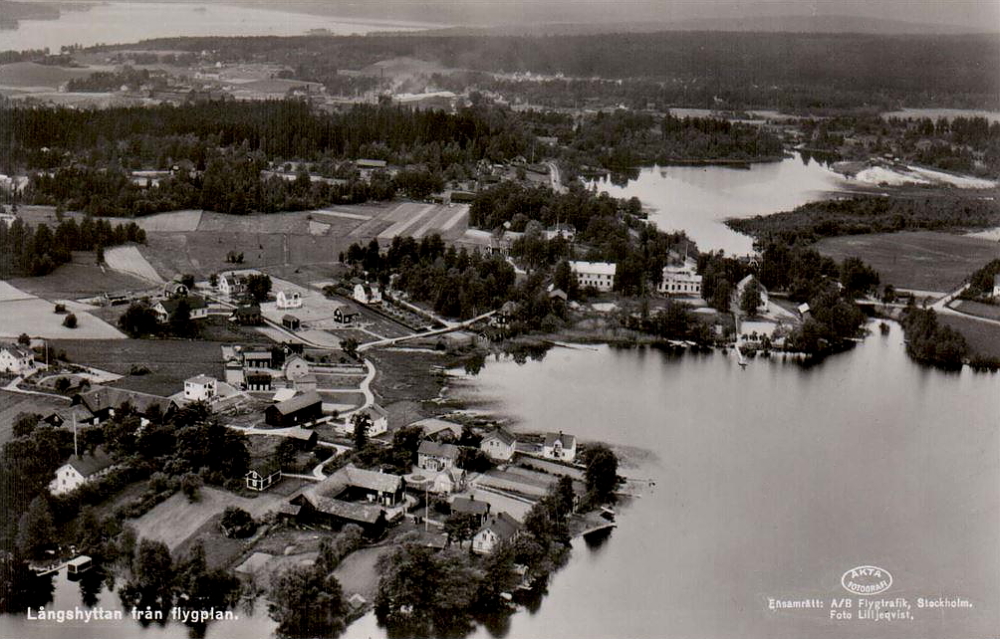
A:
x: 699, y: 198
x: 121, y: 22
x: 771, y: 482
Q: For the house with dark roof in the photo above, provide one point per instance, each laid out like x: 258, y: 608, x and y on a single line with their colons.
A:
x: 498, y: 528
x: 470, y: 506
x: 291, y: 322
x: 297, y: 410
x: 499, y: 445
x: 263, y: 473
x: 559, y: 446
x: 247, y: 315
x: 63, y: 416
x: 436, y: 457
x: 259, y: 381
x: 164, y: 309
x: 104, y: 401
x: 346, y: 314
x: 80, y: 469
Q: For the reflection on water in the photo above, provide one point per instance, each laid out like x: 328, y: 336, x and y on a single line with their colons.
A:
x: 698, y: 199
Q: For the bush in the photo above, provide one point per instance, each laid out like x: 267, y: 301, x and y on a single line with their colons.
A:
x: 138, y: 369
x: 191, y: 484
x: 237, y: 522
x: 70, y: 321
x: 60, y: 309
x: 62, y: 384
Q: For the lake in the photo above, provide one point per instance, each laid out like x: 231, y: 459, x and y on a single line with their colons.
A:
x: 771, y: 482
x: 698, y: 199
x: 124, y: 22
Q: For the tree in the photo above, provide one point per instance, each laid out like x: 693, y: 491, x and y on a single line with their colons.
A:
x: 473, y: 460
x: 350, y: 347
x: 99, y: 249
x: 70, y: 321
x: 602, y: 471
x: 237, y: 522
x: 25, y: 423
x: 858, y: 278
x: 35, y: 530
x: 188, y: 280
x: 461, y: 527
x: 23, y: 339
x: 62, y: 384
x: 180, y: 320
x: 306, y: 602
x: 191, y: 484
x: 152, y: 578
x: 362, y: 424
x: 139, y: 320
x: 258, y: 287
x: 750, y: 299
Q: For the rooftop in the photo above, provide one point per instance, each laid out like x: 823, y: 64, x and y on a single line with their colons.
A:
x: 435, y: 449
x: 107, y: 397
x: 373, y: 480
x: 567, y: 441
x: 596, y: 268
x: 463, y: 505
x: 298, y: 403
x: 503, y: 525
x: 88, y: 465
x: 502, y: 435
x: 200, y: 379
x: 16, y: 350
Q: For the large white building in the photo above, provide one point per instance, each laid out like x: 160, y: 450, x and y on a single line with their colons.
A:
x: 79, y: 470
x: 201, y: 388
x: 600, y: 275
x: 16, y: 359
x: 680, y: 280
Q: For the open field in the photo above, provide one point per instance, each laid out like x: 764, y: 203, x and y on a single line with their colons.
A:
x: 983, y: 337
x: 129, y: 260
x: 25, y: 75
x: 13, y: 404
x: 81, y: 278
x: 922, y: 260
x: 176, y: 519
x: 170, y: 361
x: 978, y: 308
x: 21, y: 312
x: 174, y: 221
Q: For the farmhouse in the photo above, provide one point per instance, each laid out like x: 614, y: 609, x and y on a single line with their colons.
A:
x: 197, y: 305
x: 380, y: 420
x: 79, y: 413
x: 335, y: 514
x: 263, y: 474
x: 365, y: 293
x: 298, y: 410
x: 104, y: 401
x: 201, y: 388
x: 436, y: 457
x: 681, y: 280
x: 499, y: 445
x: 345, y: 314
x: 232, y: 285
x: 448, y: 482
x: 498, y: 529
x: 600, y: 275
x: 439, y: 429
x: 248, y: 315
x: 16, y: 359
x: 373, y: 486
x: 289, y: 300
x: 79, y: 470
x: 742, y: 287
x: 559, y: 446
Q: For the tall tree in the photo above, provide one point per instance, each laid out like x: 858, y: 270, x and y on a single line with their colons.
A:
x: 306, y: 602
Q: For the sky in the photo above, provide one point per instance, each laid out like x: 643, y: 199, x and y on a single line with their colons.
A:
x: 976, y: 15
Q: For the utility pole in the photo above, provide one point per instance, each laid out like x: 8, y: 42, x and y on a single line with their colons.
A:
x: 427, y: 506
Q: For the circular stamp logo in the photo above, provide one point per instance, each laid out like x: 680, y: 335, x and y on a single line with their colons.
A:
x: 866, y: 580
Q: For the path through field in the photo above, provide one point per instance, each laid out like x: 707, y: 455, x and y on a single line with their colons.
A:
x: 21, y: 312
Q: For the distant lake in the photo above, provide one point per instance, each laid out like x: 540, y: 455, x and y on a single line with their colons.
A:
x: 698, y: 199
x: 123, y: 22
x: 934, y: 114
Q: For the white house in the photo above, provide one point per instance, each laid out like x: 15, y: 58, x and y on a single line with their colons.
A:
x: 742, y: 287
x: 497, y: 529
x: 559, y: 446
x: 231, y: 285
x: 197, y: 305
x: 499, y: 445
x: 289, y: 300
x: 448, y: 482
x: 79, y: 470
x: 17, y: 359
x: 600, y: 275
x: 681, y: 280
x: 201, y: 388
x: 436, y: 457
x: 380, y: 420
x: 565, y: 231
x: 365, y: 293
x: 996, y: 286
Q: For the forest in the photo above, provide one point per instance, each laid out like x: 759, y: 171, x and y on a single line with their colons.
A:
x: 27, y: 250
x: 793, y: 71
x: 858, y: 215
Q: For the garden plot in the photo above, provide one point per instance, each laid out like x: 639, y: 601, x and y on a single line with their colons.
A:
x: 128, y: 259
x: 22, y: 312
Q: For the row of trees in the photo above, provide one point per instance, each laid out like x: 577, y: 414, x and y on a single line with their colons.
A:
x: 38, y: 250
x: 930, y: 341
